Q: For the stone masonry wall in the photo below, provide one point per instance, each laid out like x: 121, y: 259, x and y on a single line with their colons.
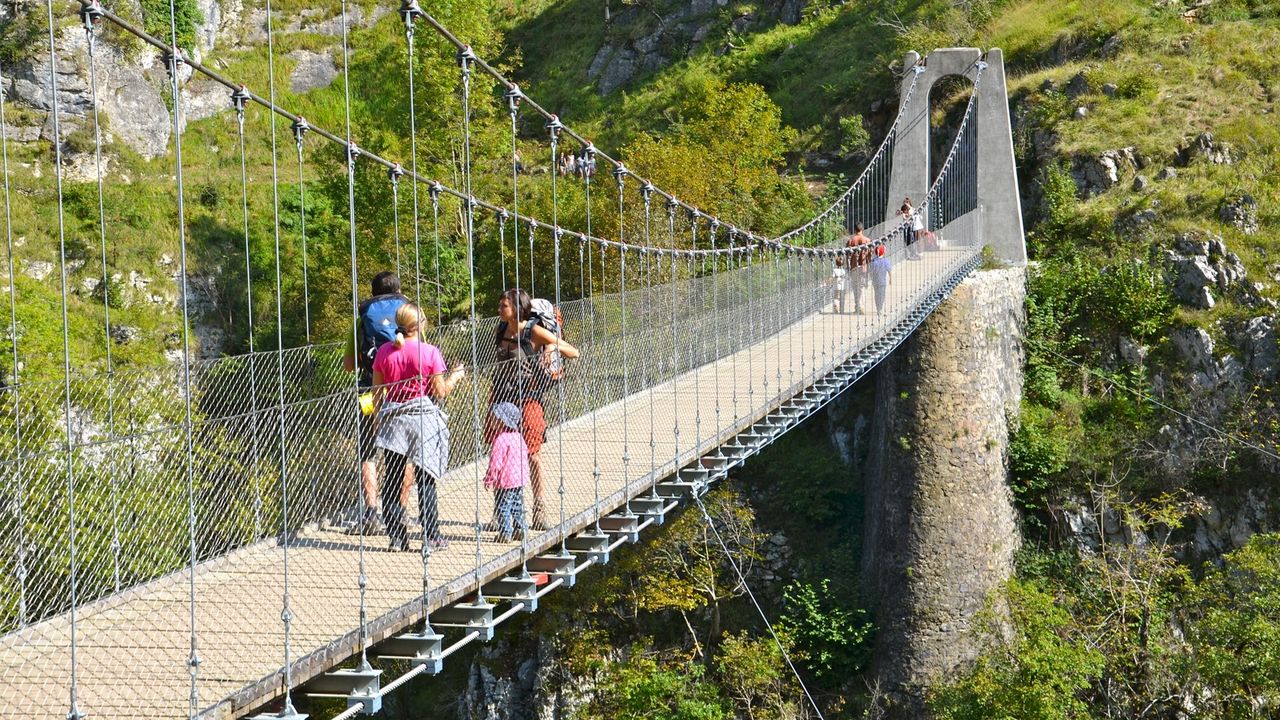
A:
x: 940, y: 526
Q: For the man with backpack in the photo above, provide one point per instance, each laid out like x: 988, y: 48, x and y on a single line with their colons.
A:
x: 375, y: 326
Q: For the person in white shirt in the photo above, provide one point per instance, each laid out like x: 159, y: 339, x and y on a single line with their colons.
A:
x: 839, y: 282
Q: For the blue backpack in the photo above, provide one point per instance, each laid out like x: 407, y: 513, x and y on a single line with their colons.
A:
x: 377, y: 328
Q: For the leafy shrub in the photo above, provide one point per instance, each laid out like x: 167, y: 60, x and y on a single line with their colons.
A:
x: 1035, y: 671
x: 209, y: 196
x: 1235, y: 633
x: 642, y: 689
x: 835, y: 640
x: 854, y: 135
x: 755, y: 675
x: 1038, y: 453
x: 1050, y: 108
x: 186, y: 17
x: 1133, y: 299
x: 1136, y: 86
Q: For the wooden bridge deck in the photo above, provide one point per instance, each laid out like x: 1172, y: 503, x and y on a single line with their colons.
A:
x: 133, y: 647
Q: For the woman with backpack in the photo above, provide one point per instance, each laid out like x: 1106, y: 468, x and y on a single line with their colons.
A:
x: 409, y: 379
x: 528, y: 365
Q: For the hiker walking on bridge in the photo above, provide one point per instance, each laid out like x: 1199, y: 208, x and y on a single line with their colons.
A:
x: 881, y: 272
x: 529, y: 363
x: 375, y: 326
x: 409, y: 379
x: 859, y: 260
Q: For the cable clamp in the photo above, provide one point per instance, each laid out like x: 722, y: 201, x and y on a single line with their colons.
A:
x: 193, y: 661
x: 503, y: 215
x: 554, y: 126
x: 410, y: 11
x: 466, y: 56
x: 172, y: 59
x: 620, y: 172
x: 90, y: 14
x: 513, y: 96
x: 434, y: 189
x: 646, y: 191
x: 353, y: 152
x: 240, y: 99
x: 981, y: 65
x: 558, y: 232
x: 918, y: 68
x: 473, y: 202
x: 395, y: 173
x: 300, y: 128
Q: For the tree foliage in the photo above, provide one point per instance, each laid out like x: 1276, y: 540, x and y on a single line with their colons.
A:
x: 1038, y: 670
x: 641, y: 689
x: 835, y: 640
x: 1234, y: 619
x: 723, y: 155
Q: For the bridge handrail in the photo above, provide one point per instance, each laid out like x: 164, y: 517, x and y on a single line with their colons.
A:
x: 879, y: 155
x: 929, y: 197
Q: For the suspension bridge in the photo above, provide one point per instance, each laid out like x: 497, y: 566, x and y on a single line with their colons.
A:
x: 186, y: 540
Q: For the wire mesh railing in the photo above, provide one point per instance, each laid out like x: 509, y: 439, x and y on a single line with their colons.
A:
x: 153, y: 512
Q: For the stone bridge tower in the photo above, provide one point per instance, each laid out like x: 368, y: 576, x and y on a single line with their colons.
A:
x: 1000, y: 211
x: 940, y: 529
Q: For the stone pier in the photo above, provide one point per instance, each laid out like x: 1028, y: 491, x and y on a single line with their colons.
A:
x: 940, y: 525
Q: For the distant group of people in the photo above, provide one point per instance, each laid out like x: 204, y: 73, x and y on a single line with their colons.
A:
x: 579, y: 165
x: 864, y: 265
x: 403, y: 381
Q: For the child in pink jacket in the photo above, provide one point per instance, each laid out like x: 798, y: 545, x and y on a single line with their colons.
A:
x: 508, y: 473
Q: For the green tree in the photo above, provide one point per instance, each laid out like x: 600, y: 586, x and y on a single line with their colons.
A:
x: 1037, y: 669
x: 689, y: 570
x: 1234, y: 632
x: 835, y: 640
x: 755, y: 676
x: 723, y: 157
x: 642, y: 689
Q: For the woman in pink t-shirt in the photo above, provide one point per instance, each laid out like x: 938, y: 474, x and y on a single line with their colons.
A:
x: 409, y: 378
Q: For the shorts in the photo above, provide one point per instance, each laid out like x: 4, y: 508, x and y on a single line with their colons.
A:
x: 366, y: 450
x: 533, y: 426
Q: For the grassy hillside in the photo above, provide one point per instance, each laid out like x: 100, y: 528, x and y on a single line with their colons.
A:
x: 1096, y: 634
